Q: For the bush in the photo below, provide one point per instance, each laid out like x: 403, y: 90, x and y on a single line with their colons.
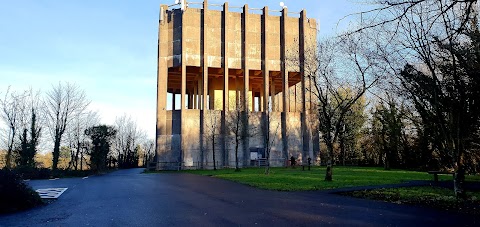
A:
x: 61, y: 173
x: 33, y: 173
x: 15, y: 195
x: 45, y: 173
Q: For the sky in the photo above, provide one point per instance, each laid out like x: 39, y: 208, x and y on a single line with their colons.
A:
x: 109, y: 47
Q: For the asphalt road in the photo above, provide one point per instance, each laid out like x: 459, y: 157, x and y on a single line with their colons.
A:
x: 129, y: 198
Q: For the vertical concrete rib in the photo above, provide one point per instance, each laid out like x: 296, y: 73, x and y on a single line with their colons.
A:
x: 183, y: 89
x: 162, y: 76
x: 265, y: 70
x: 225, y: 56
x: 285, y: 93
x: 205, y: 55
x: 301, y: 52
x: 303, y: 115
x: 283, y: 50
x: 226, y: 102
x: 246, y: 69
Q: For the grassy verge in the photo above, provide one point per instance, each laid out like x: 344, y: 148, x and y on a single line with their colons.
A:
x: 287, y: 179
x: 429, y: 196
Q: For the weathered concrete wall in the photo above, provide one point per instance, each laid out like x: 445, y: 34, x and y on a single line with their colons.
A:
x: 202, y: 51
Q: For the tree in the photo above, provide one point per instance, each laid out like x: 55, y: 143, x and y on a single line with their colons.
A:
x: 11, y: 109
x: 100, y: 137
x: 395, y: 13
x: 390, y: 117
x: 336, y: 91
x: 76, y: 137
x: 269, y: 134
x: 148, y: 147
x: 127, y: 140
x: 29, y: 118
x: 212, y: 132
x: 237, y: 126
x: 351, y: 130
x: 61, y: 104
x: 440, y: 44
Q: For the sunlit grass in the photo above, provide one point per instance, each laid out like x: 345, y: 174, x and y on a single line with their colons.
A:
x: 287, y: 179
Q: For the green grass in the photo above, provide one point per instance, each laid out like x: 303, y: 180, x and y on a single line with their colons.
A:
x: 429, y: 196
x: 287, y: 179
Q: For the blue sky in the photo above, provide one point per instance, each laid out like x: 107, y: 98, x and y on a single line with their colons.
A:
x: 107, y: 47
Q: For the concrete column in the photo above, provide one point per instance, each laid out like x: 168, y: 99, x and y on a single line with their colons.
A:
x: 190, y: 101
x: 195, y: 94
x: 261, y: 101
x: 265, y: 70
x: 183, y: 88
x: 274, y: 97
x: 199, y: 92
x: 162, y: 70
x: 173, y: 100
x: 303, y: 23
x: 253, y: 100
x: 246, y: 69
x: 285, y: 92
x: 306, y: 128
x: 162, y: 77
x: 204, y: 55
x: 225, y: 57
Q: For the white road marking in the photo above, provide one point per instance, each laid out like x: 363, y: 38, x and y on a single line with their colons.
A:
x: 50, y: 193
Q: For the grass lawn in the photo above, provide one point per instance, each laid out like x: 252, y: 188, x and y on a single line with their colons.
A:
x: 287, y: 179
x: 437, y: 197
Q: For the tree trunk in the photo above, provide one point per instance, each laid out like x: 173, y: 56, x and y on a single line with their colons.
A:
x: 81, y: 161
x: 213, y: 152
x: 329, y: 172
x: 237, y: 169
x: 267, y: 166
x: 386, y: 160
x: 9, y: 152
x: 56, y: 154
x: 458, y: 183
x: 459, y: 178
x: 342, y: 148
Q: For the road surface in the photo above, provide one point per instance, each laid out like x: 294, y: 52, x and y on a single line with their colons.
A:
x: 130, y: 198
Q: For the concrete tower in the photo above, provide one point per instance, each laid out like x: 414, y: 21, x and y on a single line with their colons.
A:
x: 213, y: 62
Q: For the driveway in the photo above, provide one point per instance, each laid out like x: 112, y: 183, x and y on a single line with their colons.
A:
x: 129, y: 198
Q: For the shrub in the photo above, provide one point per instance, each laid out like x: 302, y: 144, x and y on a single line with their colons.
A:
x: 15, y: 195
x: 33, y: 173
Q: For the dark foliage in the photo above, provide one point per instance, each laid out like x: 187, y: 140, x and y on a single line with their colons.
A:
x: 101, y: 136
x: 15, y: 195
x: 28, y: 149
x: 129, y: 160
x: 26, y: 172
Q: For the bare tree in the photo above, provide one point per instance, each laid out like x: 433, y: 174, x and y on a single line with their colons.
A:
x: 394, y: 13
x: 440, y: 41
x: 237, y: 125
x: 212, y: 132
x: 340, y: 72
x: 128, y: 137
x: 11, y: 112
x: 269, y: 135
x: 148, y: 147
x: 61, y: 104
x: 31, y: 122
x: 77, y: 139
